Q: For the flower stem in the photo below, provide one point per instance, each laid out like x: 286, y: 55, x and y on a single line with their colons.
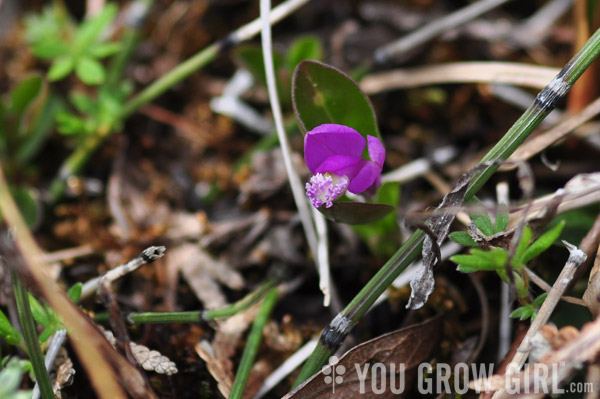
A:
x: 30, y: 337
x: 241, y: 377
x: 523, y: 127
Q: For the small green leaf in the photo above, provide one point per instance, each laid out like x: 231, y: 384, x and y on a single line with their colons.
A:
x: 25, y: 93
x: 463, y: 238
x: 69, y: 124
x: 49, y: 49
x: 102, y: 50
x: 522, y: 247
x: 501, y: 222
x: 60, y: 68
x: 524, y: 312
x: 323, y: 94
x: 10, y: 334
x: 47, y: 333
x: 356, y: 212
x: 39, y: 312
x: 83, y: 103
x: 89, y: 31
x: 304, y: 48
x: 543, y: 242
x: 482, y: 219
x: 539, y: 300
x: 90, y: 71
x: 74, y: 292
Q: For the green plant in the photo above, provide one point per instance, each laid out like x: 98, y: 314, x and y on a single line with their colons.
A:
x: 10, y: 379
x: 494, y: 257
x: 54, y: 36
x: 529, y: 311
x: 26, y: 118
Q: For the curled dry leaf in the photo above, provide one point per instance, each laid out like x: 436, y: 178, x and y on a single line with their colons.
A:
x: 352, y: 375
x: 423, y: 282
x: 591, y: 296
x: 64, y: 372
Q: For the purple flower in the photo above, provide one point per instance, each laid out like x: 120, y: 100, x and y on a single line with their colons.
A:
x: 333, y: 154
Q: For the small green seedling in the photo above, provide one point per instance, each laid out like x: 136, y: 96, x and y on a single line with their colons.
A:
x: 529, y: 311
x: 494, y: 258
x: 79, y: 48
x: 10, y: 379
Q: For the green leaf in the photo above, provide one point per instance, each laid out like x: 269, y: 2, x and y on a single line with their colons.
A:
x: 25, y: 93
x: 304, y: 48
x: 356, y: 212
x: 60, y: 68
x: 74, y: 292
x: 90, y: 30
x: 10, y: 334
x: 524, y: 312
x: 481, y: 260
x: 482, y: 219
x: 501, y: 222
x: 323, y: 94
x: 517, y: 261
x: 543, y: 242
x: 83, y: 103
x: 539, y: 300
x: 90, y: 71
x: 463, y: 238
x: 69, y: 124
x: 102, y: 50
x: 49, y: 48
x: 47, y: 333
x: 39, y: 312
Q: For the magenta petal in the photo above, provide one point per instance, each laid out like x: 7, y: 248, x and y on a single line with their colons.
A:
x: 365, y: 178
x: 376, y: 151
x: 330, y: 139
x: 342, y: 165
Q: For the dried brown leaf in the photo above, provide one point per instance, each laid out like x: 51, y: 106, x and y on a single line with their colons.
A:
x: 407, y: 347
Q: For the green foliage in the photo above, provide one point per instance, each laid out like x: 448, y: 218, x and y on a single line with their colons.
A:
x: 323, y: 94
x: 494, y: 258
x: 8, y: 332
x: 93, y: 112
x: 46, y: 317
x: 26, y: 119
x: 53, y: 36
x: 529, y: 311
x: 10, y: 379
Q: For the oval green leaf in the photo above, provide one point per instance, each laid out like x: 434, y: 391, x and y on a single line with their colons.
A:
x: 356, y: 212
x: 323, y: 94
x: 25, y: 93
x: 90, y: 71
x: 60, y: 68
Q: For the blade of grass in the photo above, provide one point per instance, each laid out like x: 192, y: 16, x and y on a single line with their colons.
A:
x: 241, y: 377
x: 546, y: 100
x: 30, y: 337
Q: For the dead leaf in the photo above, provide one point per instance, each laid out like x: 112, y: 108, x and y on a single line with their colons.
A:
x: 398, y: 352
x: 439, y: 224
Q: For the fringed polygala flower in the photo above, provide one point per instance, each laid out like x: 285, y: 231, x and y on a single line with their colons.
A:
x: 333, y: 154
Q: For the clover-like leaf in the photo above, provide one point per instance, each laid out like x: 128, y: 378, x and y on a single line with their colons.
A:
x: 60, y: 68
x: 323, y: 94
x: 543, y: 242
x: 90, y: 71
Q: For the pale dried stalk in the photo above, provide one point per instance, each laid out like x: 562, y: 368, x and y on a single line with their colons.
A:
x: 460, y: 72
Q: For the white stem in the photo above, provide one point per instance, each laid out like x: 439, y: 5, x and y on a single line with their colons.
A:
x: 296, y: 185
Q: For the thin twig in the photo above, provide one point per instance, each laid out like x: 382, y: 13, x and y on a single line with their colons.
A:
x: 148, y: 255
x: 435, y: 28
x: 576, y: 257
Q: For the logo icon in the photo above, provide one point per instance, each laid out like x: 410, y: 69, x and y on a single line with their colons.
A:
x: 333, y: 372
